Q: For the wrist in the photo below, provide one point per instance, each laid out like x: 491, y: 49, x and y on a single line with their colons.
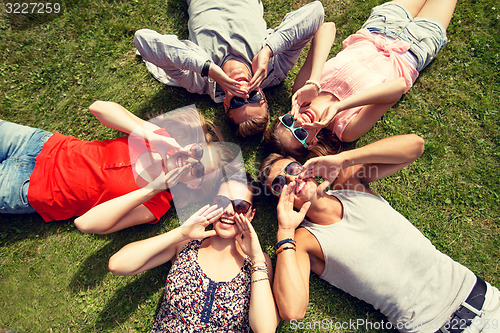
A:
x: 257, y: 257
x: 314, y: 83
x: 347, y: 160
x: 284, y: 233
x: 267, y: 51
x: 206, y: 68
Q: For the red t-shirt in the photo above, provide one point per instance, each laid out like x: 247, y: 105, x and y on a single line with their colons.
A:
x: 71, y: 176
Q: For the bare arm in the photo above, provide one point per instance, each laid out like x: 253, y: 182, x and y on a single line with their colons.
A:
x: 127, y: 210
x: 317, y: 55
x: 379, y: 159
x: 387, y: 93
x: 263, y: 314
x: 291, y: 281
x: 115, y: 116
x: 142, y: 255
x: 118, y: 213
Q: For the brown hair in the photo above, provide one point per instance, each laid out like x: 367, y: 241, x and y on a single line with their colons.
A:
x: 183, y: 125
x: 252, y: 126
x: 328, y: 144
x: 266, y: 165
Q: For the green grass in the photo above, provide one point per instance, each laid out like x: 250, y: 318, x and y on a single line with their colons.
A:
x: 54, y: 278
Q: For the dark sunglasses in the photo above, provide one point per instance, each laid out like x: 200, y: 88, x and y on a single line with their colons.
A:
x: 292, y: 169
x: 240, y: 206
x: 196, y: 151
x: 298, y: 132
x: 197, y: 169
x: 237, y: 102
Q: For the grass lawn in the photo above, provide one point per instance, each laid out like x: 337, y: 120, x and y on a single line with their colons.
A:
x: 54, y: 278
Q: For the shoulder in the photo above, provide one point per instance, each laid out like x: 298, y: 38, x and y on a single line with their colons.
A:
x: 306, y: 241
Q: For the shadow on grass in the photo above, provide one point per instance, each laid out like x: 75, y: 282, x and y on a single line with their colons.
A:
x: 126, y: 299
x: 15, y: 228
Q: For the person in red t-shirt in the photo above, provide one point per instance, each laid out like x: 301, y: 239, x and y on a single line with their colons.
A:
x: 109, y: 184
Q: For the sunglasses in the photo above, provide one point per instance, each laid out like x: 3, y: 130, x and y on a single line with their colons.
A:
x: 292, y: 169
x: 197, y: 169
x: 237, y: 102
x: 298, y: 132
x: 240, y: 206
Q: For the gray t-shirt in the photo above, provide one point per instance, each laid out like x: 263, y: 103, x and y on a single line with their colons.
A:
x: 375, y: 254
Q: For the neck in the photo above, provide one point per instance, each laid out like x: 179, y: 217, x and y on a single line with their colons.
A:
x: 324, y: 210
x: 236, y: 69
x: 222, y: 245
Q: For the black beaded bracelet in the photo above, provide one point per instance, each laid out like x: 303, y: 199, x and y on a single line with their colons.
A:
x: 206, y: 68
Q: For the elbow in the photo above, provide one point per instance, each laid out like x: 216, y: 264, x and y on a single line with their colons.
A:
x: 418, y: 144
x: 98, y: 107
x: 401, y: 86
x: 85, y: 226
x: 292, y: 316
x: 292, y: 312
x: 329, y: 27
x: 115, y: 266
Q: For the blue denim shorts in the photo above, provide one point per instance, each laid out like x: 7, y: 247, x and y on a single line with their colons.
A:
x: 19, y: 147
x: 427, y: 36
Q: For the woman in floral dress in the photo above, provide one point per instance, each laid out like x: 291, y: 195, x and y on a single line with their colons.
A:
x: 220, y: 278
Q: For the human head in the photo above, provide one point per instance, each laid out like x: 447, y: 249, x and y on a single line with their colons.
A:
x: 274, y: 165
x: 281, y: 140
x: 186, y: 125
x: 252, y: 117
x: 239, y: 187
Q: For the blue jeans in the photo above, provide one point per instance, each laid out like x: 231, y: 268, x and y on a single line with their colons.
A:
x: 19, y: 147
x: 427, y: 36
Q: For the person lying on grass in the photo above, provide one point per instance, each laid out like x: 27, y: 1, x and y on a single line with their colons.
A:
x: 220, y: 279
x: 231, y: 55
x: 353, y: 239
x: 344, y: 97
x: 109, y: 184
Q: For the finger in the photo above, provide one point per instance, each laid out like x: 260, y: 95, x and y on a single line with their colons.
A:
x: 214, y: 213
x: 239, y: 93
x: 211, y: 209
x: 202, y: 210
x: 322, y: 187
x: 304, y: 208
x: 216, y: 217
x: 239, y: 223
x: 209, y: 233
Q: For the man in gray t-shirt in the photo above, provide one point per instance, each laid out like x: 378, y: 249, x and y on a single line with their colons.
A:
x: 231, y: 55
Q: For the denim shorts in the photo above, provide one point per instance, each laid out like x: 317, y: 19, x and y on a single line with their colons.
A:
x: 19, y: 147
x: 427, y: 36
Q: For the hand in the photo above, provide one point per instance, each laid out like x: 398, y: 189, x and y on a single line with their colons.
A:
x: 289, y: 219
x: 247, y: 238
x: 163, y: 144
x: 259, y: 66
x: 304, y: 96
x: 194, y: 227
x: 327, y: 167
x: 234, y: 87
x: 326, y: 117
x: 169, y: 180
